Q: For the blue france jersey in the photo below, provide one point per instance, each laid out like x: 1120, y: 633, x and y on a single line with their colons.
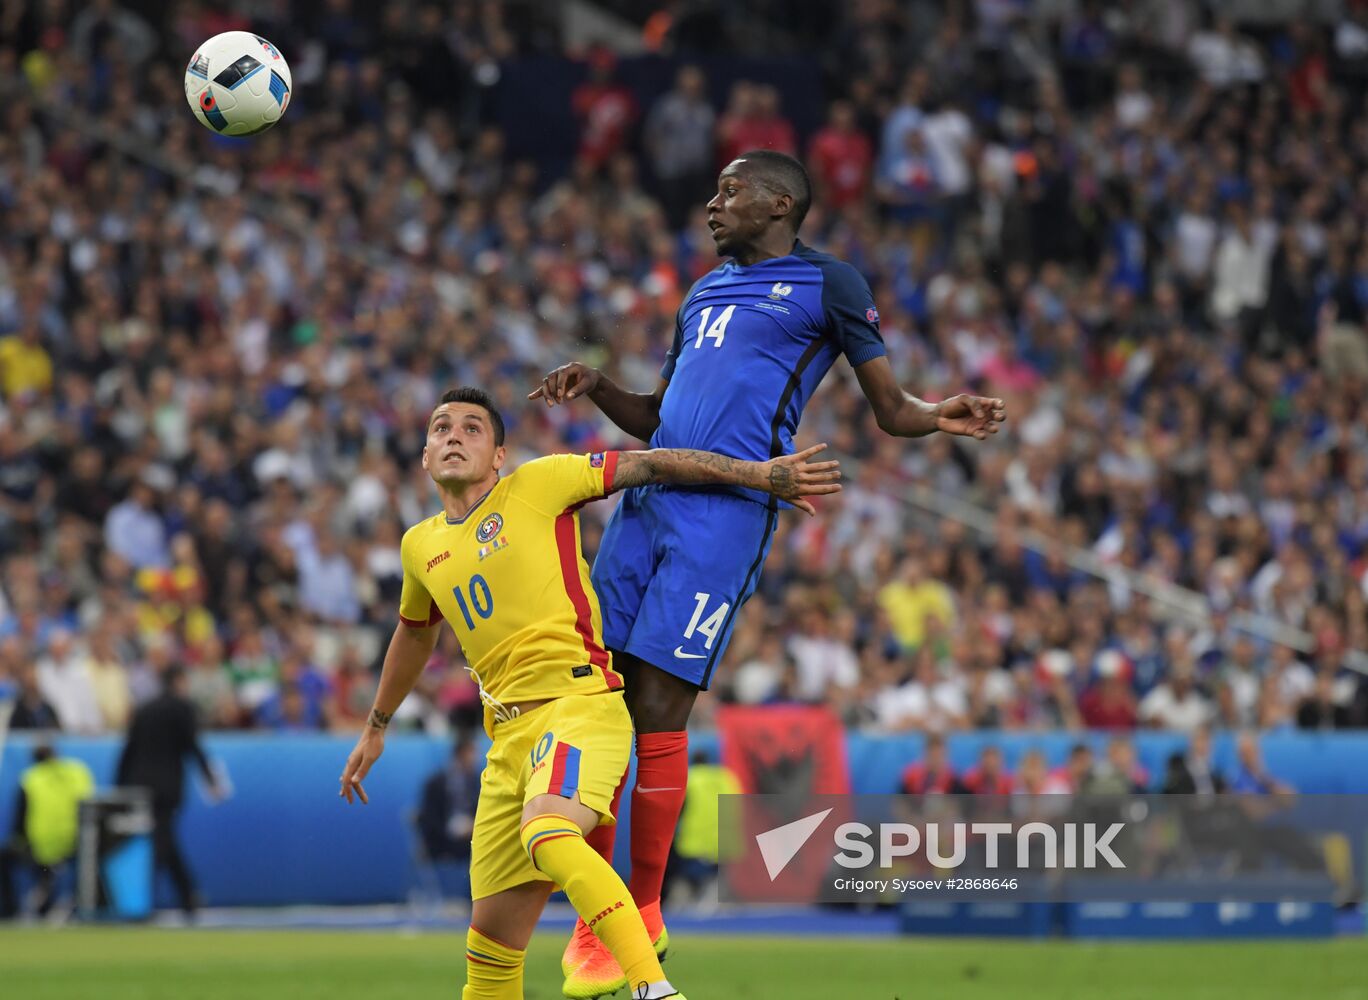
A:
x: 751, y: 346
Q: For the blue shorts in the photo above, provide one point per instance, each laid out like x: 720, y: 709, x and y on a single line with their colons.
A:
x: 674, y: 567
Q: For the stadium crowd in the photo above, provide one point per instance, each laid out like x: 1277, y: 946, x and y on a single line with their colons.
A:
x: 1141, y: 225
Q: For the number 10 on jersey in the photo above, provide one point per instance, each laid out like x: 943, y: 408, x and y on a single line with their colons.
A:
x: 480, y: 598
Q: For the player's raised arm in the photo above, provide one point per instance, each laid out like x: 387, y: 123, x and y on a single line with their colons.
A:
x: 904, y: 415
x: 409, y: 650
x: 636, y: 413
x: 790, y: 477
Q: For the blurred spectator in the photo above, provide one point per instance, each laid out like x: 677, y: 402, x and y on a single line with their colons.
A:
x: 906, y: 117
x: 606, y: 110
x: 1074, y: 775
x: 932, y: 773
x: 823, y: 654
x: 109, y: 680
x: 989, y: 776
x: 1177, y: 703
x: 25, y: 366
x: 1033, y: 774
x: 1240, y: 684
x: 30, y: 710
x: 1120, y: 774
x: 65, y: 679
x: 1192, y: 773
x: 1250, y: 776
x: 762, y: 678
x: 1110, y: 702
x: 753, y: 121
x: 1240, y: 272
x: 1325, y: 706
x: 679, y: 137
x: 913, y: 599
x: 210, y: 689
x: 46, y: 813
x: 925, y: 701
x: 134, y: 530
x: 446, y: 815
x: 839, y: 158
x: 1222, y: 57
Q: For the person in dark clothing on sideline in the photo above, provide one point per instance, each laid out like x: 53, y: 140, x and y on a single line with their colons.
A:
x: 446, y: 817
x: 163, y: 733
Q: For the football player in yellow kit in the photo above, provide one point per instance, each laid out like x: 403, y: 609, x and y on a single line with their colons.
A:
x: 502, y: 566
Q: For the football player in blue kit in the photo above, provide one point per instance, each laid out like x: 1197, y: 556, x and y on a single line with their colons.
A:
x: 753, y: 339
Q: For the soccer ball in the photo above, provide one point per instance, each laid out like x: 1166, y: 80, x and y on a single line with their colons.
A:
x: 238, y: 84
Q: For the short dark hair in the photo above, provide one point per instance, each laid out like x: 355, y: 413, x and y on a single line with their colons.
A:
x: 476, y: 397
x: 781, y: 174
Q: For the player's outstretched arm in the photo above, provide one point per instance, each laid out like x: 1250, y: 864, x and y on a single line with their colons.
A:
x: 636, y: 413
x: 790, y: 477
x: 903, y: 415
x: 408, y: 653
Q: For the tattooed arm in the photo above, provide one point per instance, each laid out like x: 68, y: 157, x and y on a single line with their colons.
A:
x: 790, y: 478
x: 408, y: 653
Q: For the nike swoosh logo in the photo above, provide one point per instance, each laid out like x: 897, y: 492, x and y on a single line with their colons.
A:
x: 649, y: 790
x: 679, y: 652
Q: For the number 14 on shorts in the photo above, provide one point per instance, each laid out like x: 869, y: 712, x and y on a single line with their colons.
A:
x: 708, y: 627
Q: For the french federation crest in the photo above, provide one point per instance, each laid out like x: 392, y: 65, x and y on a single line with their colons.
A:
x: 489, y: 528
x: 779, y: 290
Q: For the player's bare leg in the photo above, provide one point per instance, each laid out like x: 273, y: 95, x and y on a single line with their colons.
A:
x: 660, y: 704
x: 553, y: 833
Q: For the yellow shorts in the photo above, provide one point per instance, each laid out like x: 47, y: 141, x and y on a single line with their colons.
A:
x: 578, y: 744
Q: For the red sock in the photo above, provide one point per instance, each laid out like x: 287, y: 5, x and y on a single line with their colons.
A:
x: 603, y: 837
x: 657, y: 801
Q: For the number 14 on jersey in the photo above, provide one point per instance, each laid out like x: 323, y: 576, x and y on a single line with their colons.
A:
x: 718, y: 330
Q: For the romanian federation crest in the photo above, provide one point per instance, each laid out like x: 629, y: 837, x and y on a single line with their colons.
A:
x: 489, y: 528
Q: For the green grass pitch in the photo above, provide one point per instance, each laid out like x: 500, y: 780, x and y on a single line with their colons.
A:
x: 154, y: 964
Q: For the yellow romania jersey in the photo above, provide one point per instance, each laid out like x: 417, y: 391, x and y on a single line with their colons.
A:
x: 510, y: 580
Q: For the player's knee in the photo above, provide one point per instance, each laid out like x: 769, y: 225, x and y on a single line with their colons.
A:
x: 556, y: 805
x: 545, y: 828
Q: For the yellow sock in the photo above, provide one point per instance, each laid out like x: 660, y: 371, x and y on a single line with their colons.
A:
x: 494, y: 971
x: 598, y: 894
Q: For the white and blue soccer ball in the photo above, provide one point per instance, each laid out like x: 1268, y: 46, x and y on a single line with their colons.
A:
x: 238, y: 84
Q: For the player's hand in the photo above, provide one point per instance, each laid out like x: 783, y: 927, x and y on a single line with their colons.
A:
x: 366, y: 752
x: 567, y: 382
x: 793, y: 477
x: 970, y: 416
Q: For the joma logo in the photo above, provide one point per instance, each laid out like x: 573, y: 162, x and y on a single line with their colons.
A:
x: 437, y: 559
x: 603, y: 913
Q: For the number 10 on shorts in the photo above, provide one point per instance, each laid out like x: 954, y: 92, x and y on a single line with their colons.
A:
x: 707, y: 627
